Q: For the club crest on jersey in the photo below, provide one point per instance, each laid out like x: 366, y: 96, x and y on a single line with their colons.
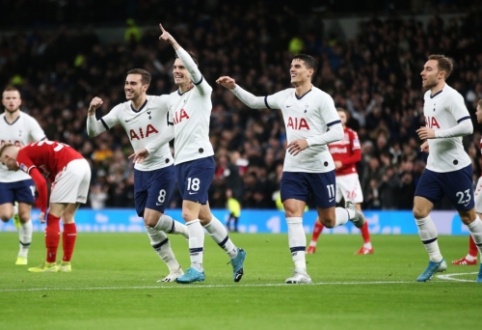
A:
x: 24, y: 168
x: 179, y: 116
x: 141, y: 134
x: 297, y: 123
x: 431, y: 122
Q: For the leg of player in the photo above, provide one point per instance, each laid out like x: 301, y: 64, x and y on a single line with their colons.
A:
x: 24, y: 232
x: 473, y: 222
x: 190, y: 214
x: 6, y: 207
x: 52, y: 239
x: 317, y: 229
x: 367, y: 247
x: 156, y: 226
x: 297, y: 240
x: 428, y: 234
x: 69, y: 236
x: 220, y: 235
x: 471, y: 258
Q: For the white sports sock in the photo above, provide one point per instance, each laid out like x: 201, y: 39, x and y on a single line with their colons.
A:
x: 220, y: 235
x: 476, y: 231
x: 169, y: 225
x: 342, y: 216
x: 469, y: 257
x: 428, y: 235
x: 297, y: 242
x: 367, y: 245
x: 196, y: 243
x: 25, y: 237
x: 313, y: 243
x: 160, y: 243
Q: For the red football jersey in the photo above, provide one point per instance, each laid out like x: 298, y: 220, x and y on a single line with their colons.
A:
x: 51, y: 158
x: 347, y: 151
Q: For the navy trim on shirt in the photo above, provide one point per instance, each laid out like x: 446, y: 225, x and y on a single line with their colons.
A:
x: 168, y: 122
x: 462, y: 119
x: 266, y: 102
x: 432, y: 96
x: 200, y: 81
x: 299, y: 98
x: 140, y: 109
x: 12, y: 122
x: 333, y: 123
x: 103, y: 123
x: 44, y: 138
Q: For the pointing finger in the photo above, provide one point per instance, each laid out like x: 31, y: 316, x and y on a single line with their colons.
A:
x: 162, y: 28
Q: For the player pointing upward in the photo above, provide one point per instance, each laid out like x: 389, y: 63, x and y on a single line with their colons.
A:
x: 190, y: 109
x: 449, y: 168
x: 144, y: 117
x: 311, y: 122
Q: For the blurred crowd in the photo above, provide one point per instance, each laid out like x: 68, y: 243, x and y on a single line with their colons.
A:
x: 375, y: 76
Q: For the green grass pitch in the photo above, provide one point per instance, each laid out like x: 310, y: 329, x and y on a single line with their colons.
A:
x: 113, y: 286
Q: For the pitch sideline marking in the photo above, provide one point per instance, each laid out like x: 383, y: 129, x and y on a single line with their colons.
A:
x: 200, y: 286
x: 449, y: 277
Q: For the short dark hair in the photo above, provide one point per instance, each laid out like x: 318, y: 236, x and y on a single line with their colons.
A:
x: 310, y: 61
x: 145, y: 75
x: 443, y: 63
x: 193, y: 56
x: 11, y: 88
x: 342, y: 110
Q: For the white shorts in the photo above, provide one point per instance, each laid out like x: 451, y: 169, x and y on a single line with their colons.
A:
x: 478, y: 196
x: 72, y: 184
x: 348, y: 187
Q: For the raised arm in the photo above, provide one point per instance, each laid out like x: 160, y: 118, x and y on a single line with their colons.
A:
x: 94, y: 126
x: 254, y: 102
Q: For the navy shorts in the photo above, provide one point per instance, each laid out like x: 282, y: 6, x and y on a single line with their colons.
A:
x: 194, y: 179
x: 153, y: 189
x: 301, y: 186
x: 457, y: 185
x: 20, y: 191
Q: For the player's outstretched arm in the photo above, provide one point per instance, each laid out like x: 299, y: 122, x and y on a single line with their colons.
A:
x: 94, y: 126
x: 252, y: 101
x: 191, y: 67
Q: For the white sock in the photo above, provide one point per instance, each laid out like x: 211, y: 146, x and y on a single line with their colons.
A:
x: 196, y: 243
x: 297, y: 242
x: 169, y: 225
x: 160, y: 243
x: 469, y: 257
x: 313, y: 243
x: 220, y: 235
x: 476, y: 231
x: 367, y: 245
x: 428, y: 235
x: 25, y: 238
x: 342, y: 216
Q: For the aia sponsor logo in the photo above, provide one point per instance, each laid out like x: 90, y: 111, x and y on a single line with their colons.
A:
x: 140, y: 133
x: 179, y: 116
x: 297, y: 124
x: 431, y: 122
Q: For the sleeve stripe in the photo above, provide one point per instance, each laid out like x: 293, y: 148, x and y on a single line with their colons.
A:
x: 200, y: 81
x: 103, y: 123
x: 44, y: 138
x: 463, y: 118
x: 333, y: 123
x: 266, y: 102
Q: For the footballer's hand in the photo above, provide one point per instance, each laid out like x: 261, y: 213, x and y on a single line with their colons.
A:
x: 426, y: 133
x: 226, y: 82
x: 424, y: 147
x: 41, y: 217
x: 94, y: 105
x: 297, y: 146
x: 166, y: 36
x: 338, y: 164
x: 140, y: 156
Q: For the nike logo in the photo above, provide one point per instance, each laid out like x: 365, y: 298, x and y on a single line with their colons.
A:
x: 159, y: 204
x: 128, y: 120
x: 331, y: 200
x: 288, y: 106
x: 191, y: 193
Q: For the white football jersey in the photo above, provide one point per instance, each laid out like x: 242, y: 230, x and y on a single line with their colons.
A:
x: 444, y: 110
x: 190, y: 113
x: 142, y: 126
x: 22, y: 131
x: 307, y: 116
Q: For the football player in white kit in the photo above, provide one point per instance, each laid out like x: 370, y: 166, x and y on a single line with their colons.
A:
x: 190, y: 110
x: 311, y: 122
x: 144, y: 117
x: 20, y: 129
x: 449, y: 168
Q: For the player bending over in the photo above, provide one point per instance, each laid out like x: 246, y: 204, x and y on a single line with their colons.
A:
x: 144, y: 117
x: 346, y: 153
x: 190, y: 109
x: 311, y: 123
x: 69, y: 174
x: 449, y: 168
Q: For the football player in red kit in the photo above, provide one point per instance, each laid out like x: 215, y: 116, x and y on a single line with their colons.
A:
x: 69, y: 174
